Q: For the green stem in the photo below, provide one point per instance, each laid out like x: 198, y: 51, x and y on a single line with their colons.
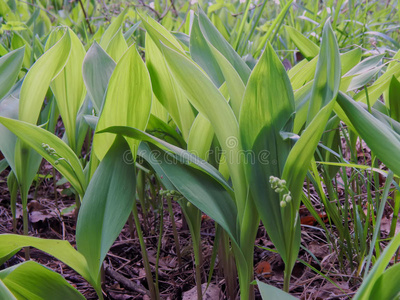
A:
x: 286, y: 280
x: 146, y: 263
x: 26, y: 231
x: 175, y: 232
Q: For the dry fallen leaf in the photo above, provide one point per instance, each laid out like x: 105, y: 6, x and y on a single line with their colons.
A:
x: 264, y: 269
x: 213, y: 292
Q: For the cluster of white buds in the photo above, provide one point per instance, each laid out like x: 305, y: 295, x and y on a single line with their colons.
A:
x: 48, y: 149
x: 170, y: 193
x: 279, y: 185
x: 52, y: 152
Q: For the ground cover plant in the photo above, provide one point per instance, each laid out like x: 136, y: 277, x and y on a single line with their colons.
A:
x: 190, y: 149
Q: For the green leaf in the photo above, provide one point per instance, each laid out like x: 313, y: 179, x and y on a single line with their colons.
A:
x: 37, y: 81
x: 270, y: 292
x: 112, y: 30
x: 5, y: 293
x: 206, y: 98
x: 160, y: 35
x: 387, y: 286
x: 368, y: 285
x: 183, y: 155
x: 200, y: 189
x: 327, y: 75
x: 128, y: 101
x: 69, y: 166
x: 234, y: 83
x: 262, y: 117
x: 30, y: 280
x: 167, y: 90
x: 308, y: 48
x: 394, y: 99
x: 9, y: 109
x: 117, y: 46
x: 97, y: 70
x: 10, y: 66
x: 202, y: 55
x: 200, y: 137
x: 69, y: 89
x: 324, y: 91
x: 382, y: 140
x: 215, y: 38
x: 160, y: 129
x: 62, y: 250
x: 106, y: 205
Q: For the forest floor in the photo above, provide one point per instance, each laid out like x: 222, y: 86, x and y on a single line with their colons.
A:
x: 124, y: 272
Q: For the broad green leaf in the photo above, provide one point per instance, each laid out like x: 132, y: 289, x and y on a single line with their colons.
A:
x: 324, y: 91
x: 97, y: 70
x: 127, y: 102
x: 303, y: 72
x: 200, y: 137
x: 167, y: 90
x: 117, y: 46
x: 5, y: 293
x: 269, y: 292
x: 365, y: 290
x: 69, y: 89
x: 62, y: 250
x: 30, y: 280
x: 233, y: 81
x: 201, y: 53
x: 10, y: 66
x: 160, y: 35
x: 182, y: 155
x: 380, y: 86
x: 67, y: 162
x: 206, y: 98
x: 327, y: 75
x: 112, y: 30
x: 387, y: 286
x: 394, y: 99
x: 160, y: 129
x: 381, y: 139
x: 215, y: 38
x: 106, y: 205
x: 8, y: 109
x: 202, y: 190
x: 262, y: 117
x: 308, y: 48
x: 37, y: 81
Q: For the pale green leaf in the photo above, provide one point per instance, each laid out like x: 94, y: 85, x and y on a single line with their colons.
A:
x: 308, y: 48
x: 10, y: 66
x: 69, y: 89
x: 62, y: 250
x: 37, y: 81
x: 117, y: 46
x: 112, y: 30
x: 68, y: 163
x: 30, y: 280
x: 127, y: 102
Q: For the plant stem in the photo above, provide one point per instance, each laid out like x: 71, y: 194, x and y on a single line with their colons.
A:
x: 175, y: 232
x: 146, y: 263
x: 286, y: 281
x: 26, y: 231
x: 198, y: 282
x: 86, y: 17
